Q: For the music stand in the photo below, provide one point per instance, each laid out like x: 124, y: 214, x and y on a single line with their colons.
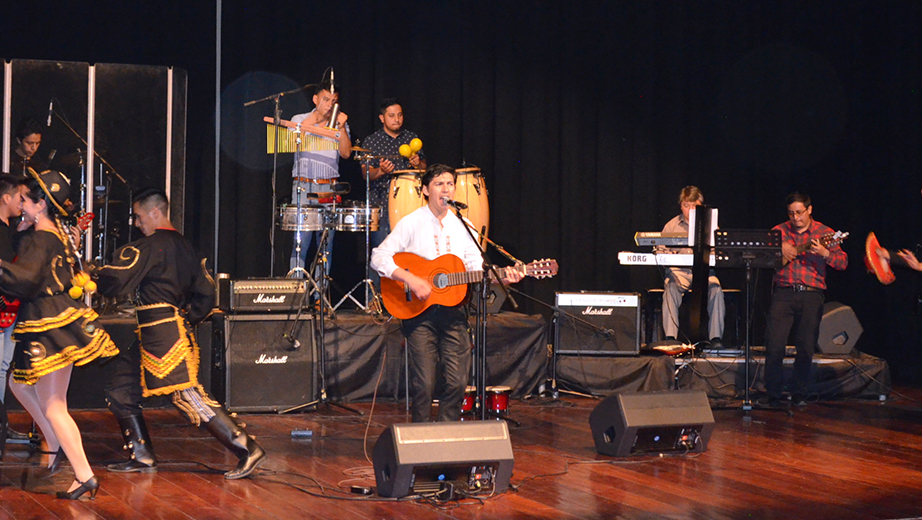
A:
x: 749, y: 249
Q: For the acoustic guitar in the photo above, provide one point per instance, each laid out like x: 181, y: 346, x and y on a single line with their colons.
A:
x: 449, y: 282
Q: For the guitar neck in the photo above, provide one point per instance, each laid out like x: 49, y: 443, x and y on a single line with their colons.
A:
x: 466, y: 277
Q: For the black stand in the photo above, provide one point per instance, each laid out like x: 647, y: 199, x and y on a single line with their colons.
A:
x: 480, y: 327
x: 321, y: 343
x: 277, y: 117
x: 748, y: 249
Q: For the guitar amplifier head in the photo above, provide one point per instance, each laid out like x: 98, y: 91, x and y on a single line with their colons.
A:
x: 262, y: 295
x: 598, y: 323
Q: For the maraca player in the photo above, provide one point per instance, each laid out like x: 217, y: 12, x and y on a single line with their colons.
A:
x: 403, y: 151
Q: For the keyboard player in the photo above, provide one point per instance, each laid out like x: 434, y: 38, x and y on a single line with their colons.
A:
x: 678, y: 280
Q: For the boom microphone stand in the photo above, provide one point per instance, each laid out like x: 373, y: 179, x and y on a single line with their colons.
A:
x: 321, y: 342
x: 277, y: 117
x: 480, y: 327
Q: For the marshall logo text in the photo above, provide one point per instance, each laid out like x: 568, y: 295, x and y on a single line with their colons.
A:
x: 271, y: 360
x: 262, y: 298
x: 594, y: 311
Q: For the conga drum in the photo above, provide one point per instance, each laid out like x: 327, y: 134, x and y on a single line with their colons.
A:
x: 405, y: 195
x: 471, y: 189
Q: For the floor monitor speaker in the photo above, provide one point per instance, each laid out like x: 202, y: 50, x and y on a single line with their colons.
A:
x: 839, y: 330
x: 425, y: 458
x: 644, y: 423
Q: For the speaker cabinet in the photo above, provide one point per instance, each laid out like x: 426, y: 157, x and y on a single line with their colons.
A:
x: 598, y: 323
x: 839, y: 330
x: 256, y: 368
x: 644, y: 423
x: 424, y: 457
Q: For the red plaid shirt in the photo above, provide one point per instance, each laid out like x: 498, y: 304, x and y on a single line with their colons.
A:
x: 808, y: 268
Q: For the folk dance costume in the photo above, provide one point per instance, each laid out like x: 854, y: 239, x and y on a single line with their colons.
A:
x: 174, y: 292
x: 52, y: 329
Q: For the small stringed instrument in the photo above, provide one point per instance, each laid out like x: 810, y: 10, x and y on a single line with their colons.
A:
x: 828, y: 240
x: 449, y: 281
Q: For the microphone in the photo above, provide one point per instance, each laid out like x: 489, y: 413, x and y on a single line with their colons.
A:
x: 453, y: 203
x: 295, y: 344
x: 334, y: 115
x: 50, y: 110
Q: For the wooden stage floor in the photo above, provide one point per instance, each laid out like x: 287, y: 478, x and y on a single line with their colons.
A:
x: 842, y: 460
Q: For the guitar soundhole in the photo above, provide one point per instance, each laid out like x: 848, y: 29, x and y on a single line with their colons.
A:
x: 440, y: 281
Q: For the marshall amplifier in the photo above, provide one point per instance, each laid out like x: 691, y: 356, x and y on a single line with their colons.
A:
x: 598, y: 323
x: 263, y: 362
x: 262, y: 295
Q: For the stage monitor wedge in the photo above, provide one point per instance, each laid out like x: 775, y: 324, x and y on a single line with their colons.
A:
x: 423, y: 458
x: 839, y: 330
x: 649, y: 423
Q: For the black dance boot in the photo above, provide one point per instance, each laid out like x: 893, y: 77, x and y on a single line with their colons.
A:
x: 236, y: 439
x: 137, y: 441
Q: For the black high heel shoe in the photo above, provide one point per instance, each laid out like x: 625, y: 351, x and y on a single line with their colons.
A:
x: 55, y: 466
x: 91, y: 485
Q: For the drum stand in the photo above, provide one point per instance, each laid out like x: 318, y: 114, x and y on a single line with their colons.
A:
x: 299, y: 269
x: 372, y: 298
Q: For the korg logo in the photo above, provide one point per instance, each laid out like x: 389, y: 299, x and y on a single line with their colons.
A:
x: 271, y: 360
x: 594, y: 311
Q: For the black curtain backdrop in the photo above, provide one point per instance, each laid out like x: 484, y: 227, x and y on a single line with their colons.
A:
x: 586, y: 117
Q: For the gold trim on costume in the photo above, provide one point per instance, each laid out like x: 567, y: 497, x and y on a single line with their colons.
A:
x: 69, y: 315
x: 101, y: 346
x: 121, y: 256
x: 185, y: 349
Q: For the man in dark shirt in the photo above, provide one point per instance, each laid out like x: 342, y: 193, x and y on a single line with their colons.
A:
x: 385, y: 143
x: 10, y: 207
x: 28, y: 139
x: 797, y: 297
x: 174, y: 292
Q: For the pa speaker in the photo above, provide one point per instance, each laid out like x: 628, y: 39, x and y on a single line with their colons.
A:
x: 264, y: 363
x: 598, y: 323
x: 839, y: 330
x: 423, y: 458
x: 652, y: 422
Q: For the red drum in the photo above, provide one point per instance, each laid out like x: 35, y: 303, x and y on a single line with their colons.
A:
x: 470, y: 397
x: 498, y: 399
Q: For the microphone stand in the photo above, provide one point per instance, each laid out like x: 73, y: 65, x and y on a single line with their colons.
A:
x: 110, y: 172
x: 480, y: 324
x: 276, y: 117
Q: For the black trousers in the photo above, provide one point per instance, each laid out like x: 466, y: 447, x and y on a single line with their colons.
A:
x: 123, y: 391
x: 439, y: 347
x: 802, y: 313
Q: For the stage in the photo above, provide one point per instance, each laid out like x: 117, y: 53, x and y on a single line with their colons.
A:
x: 519, y: 356
x: 846, y: 459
